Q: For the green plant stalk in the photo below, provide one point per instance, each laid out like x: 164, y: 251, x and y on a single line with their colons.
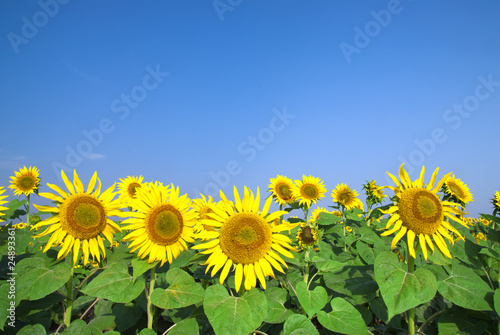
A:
x: 151, y: 308
x: 69, y: 294
x: 306, y: 267
x: 411, y: 313
x: 28, y: 210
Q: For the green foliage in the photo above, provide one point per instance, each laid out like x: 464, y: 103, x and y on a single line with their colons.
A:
x: 343, y: 318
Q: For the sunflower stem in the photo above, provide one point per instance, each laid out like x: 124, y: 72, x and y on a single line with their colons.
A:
x: 306, y: 267
x: 411, y: 314
x: 69, y: 295
x: 151, y: 307
x: 28, y: 211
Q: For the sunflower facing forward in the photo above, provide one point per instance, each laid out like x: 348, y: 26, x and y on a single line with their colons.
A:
x: 162, y: 224
x: 346, y: 197
x: 282, y: 189
x: 418, y: 211
x: 309, y: 189
x: 243, y: 236
x: 127, y: 187
x: 25, y: 181
x: 80, y: 218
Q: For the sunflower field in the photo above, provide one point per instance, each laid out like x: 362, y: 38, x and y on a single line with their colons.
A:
x: 141, y: 257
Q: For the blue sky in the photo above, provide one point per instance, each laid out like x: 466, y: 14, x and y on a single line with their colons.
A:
x: 211, y: 94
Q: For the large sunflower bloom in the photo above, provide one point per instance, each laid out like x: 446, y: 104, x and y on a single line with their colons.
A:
x: 2, y: 190
x: 245, y: 237
x: 309, y: 189
x: 127, y: 187
x: 455, y: 188
x: 346, y: 197
x: 418, y: 211
x: 25, y: 181
x: 282, y: 189
x: 80, y: 218
x: 162, y: 224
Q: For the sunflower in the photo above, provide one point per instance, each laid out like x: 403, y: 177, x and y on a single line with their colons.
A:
x: 202, y: 207
x: 455, y: 189
x: 374, y: 193
x: 127, y: 187
x: 496, y: 202
x: 162, y: 224
x: 307, y: 237
x: 315, y: 214
x: 244, y: 237
x: 282, y: 189
x: 80, y: 217
x: 346, y: 197
x: 2, y: 190
x: 309, y: 189
x: 418, y: 211
x: 25, y: 181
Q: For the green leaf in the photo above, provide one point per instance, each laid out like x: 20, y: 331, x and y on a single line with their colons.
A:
x: 276, y: 299
x: 365, y: 252
x: 456, y: 322
x: 353, y: 214
x: 5, y: 304
x: 115, y: 284
x: 343, y: 318
x: 356, y: 283
x: 147, y: 331
x: 466, y: 289
x: 12, y: 211
x: 326, y: 219
x: 185, y: 327
x: 231, y: 315
x: 103, y: 322
x: 139, y: 266
x: 400, y: 289
x: 299, y: 324
x: 38, y: 277
x: 311, y: 301
x: 496, y: 300
x: 78, y: 327
x: 32, y: 330
x: 183, y: 291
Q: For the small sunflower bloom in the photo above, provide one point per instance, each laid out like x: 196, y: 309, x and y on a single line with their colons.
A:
x: 480, y: 236
x: 127, y: 187
x: 80, y: 217
x: 419, y: 212
x: 245, y: 240
x: 309, y: 189
x: 456, y: 190
x: 307, y: 237
x: 26, y: 181
x: 315, y: 214
x: 2, y: 202
x: 496, y: 202
x: 374, y: 193
x: 282, y: 190
x: 162, y: 225
x: 202, y: 207
x: 346, y: 197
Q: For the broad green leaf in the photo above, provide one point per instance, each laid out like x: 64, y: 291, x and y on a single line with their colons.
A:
x: 185, y: 327
x: 326, y: 219
x: 183, y: 291
x: 5, y: 305
x: 115, y: 284
x: 311, y: 301
x: 456, y: 322
x: 230, y: 315
x: 299, y: 324
x: 78, y: 327
x: 103, y: 322
x: 356, y: 283
x: 353, y: 214
x: 326, y: 266
x: 147, y: 331
x: 343, y: 318
x: 139, y: 266
x: 400, y: 289
x: 466, y: 289
x: 496, y: 300
x: 38, y: 277
x: 128, y: 315
x: 257, y: 302
x: 12, y: 211
x: 365, y: 252
x: 276, y: 299
x: 37, y: 329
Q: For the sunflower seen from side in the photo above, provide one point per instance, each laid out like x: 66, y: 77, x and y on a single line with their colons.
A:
x: 244, y: 238
x: 457, y: 191
x: 309, y: 190
x: 80, y: 217
x: 202, y: 207
x: 346, y: 197
x: 418, y: 212
x: 374, y: 193
x: 282, y: 190
x: 2, y: 202
x: 25, y: 181
x: 496, y: 203
x: 162, y: 224
x: 127, y: 187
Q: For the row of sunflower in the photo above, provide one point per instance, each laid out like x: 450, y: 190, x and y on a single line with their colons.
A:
x: 300, y: 263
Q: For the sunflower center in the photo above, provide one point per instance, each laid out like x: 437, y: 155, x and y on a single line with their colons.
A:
x: 345, y: 197
x: 284, y: 191
x: 420, y: 210
x: 83, y: 216
x: 456, y: 190
x: 307, y: 236
x: 310, y: 191
x: 132, y: 188
x: 164, y: 224
x: 245, y: 238
x: 26, y: 183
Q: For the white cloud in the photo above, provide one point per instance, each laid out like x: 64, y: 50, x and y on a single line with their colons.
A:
x: 94, y: 156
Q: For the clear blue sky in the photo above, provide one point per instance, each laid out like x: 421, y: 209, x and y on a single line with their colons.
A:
x: 178, y: 91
